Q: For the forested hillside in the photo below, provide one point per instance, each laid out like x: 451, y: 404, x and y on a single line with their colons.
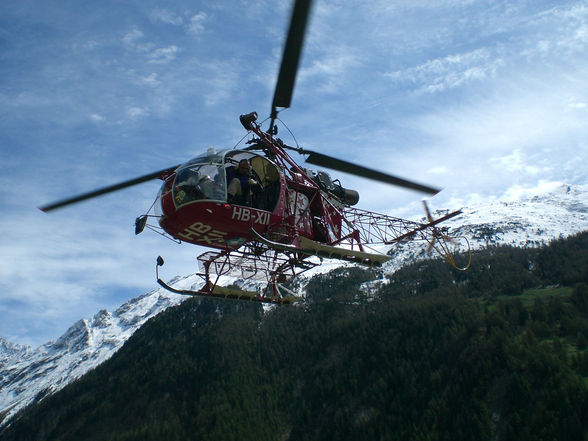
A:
x: 497, y: 352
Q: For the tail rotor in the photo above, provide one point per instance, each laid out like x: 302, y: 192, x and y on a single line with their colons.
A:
x: 455, y: 250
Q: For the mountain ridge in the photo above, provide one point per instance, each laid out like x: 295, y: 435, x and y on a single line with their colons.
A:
x: 28, y: 375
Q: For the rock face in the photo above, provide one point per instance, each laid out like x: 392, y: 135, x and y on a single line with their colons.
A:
x: 28, y: 375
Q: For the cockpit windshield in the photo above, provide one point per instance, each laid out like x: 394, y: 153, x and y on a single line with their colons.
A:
x: 205, y: 178
x: 195, y: 182
x: 210, y: 157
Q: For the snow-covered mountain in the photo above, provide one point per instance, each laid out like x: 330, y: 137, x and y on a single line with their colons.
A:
x: 28, y: 375
x: 10, y: 350
x: 529, y: 222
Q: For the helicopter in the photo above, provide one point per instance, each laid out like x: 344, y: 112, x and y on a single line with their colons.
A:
x: 262, y: 216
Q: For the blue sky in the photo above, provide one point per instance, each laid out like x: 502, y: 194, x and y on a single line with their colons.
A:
x: 486, y: 99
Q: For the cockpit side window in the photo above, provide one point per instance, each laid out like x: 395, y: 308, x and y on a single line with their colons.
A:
x: 263, y: 187
x: 199, y: 182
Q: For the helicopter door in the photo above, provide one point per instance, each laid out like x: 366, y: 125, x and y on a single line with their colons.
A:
x: 264, y: 172
x: 269, y: 178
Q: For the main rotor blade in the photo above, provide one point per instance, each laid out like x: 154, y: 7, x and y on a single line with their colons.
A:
x: 347, y: 167
x: 109, y: 189
x: 291, y: 56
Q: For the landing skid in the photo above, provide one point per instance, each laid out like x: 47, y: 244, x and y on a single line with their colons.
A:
x: 312, y: 248
x: 221, y: 292
x: 274, y: 292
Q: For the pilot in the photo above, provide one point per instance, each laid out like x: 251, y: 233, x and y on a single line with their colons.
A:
x: 241, y: 184
x: 209, y: 188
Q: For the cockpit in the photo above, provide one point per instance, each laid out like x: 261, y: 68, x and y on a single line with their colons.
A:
x: 208, y: 177
x: 196, y: 182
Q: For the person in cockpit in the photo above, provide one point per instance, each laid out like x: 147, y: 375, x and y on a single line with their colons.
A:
x: 241, y: 185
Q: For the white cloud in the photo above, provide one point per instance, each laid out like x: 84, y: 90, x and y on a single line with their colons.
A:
x: 577, y: 24
x: 517, y: 192
x: 329, y: 71
x: 451, y: 71
x: 197, y: 21
x: 137, y: 112
x: 135, y: 40
x: 166, y: 16
x: 163, y: 55
x: 131, y: 38
x: 515, y: 162
x: 149, y: 80
x: 521, y: 112
x: 220, y: 81
x: 556, y: 32
x: 25, y: 99
x: 577, y: 105
x: 439, y: 170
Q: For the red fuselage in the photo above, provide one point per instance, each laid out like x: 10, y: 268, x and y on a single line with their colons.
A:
x: 194, y: 207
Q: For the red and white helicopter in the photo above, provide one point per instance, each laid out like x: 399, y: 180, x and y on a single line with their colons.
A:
x: 268, y: 221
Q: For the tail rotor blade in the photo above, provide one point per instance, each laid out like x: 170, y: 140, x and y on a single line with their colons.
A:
x: 428, y: 212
